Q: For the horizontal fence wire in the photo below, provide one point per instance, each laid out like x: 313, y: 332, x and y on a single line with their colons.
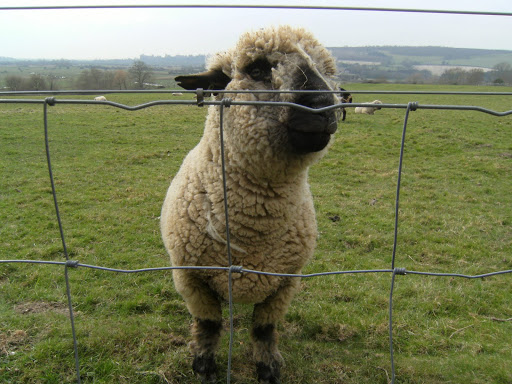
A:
x: 230, y: 269
x: 228, y: 102
x: 256, y: 6
x: 241, y: 269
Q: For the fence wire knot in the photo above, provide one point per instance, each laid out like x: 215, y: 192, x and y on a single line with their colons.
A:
x: 72, y: 263
x: 413, y: 105
x: 236, y: 269
x: 226, y: 102
x: 50, y: 101
x: 400, y: 271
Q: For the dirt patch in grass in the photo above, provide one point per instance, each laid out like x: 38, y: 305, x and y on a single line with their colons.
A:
x: 41, y: 307
x: 10, y: 340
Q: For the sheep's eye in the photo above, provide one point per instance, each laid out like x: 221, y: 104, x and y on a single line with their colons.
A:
x: 259, y: 70
x: 256, y: 73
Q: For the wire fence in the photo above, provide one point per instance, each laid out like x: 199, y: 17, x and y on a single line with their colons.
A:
x: 230, y: 269
x: 52, y: 101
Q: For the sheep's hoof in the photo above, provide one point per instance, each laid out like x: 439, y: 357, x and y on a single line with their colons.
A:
x: 268, y: 374
x: 205, y: 368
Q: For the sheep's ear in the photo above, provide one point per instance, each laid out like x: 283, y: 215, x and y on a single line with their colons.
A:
x: 214, y: 79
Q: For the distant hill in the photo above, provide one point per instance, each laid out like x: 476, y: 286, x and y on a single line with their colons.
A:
x: 381, y: 55
x: 396, y: 55
x: 355, y: 64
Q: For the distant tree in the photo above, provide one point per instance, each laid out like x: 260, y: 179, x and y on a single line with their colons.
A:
x: 97, y: 76
x: 120, y: 79
x: 416, y: 78
x: 108, y: 80
x: 14, y: 83
x: 502, y: 73
x: 85, y: 80
x: 475, y: 76
x: 37, y: 83
x: 52, y: 82
x: 453, y: 76
x: 503, y: 67
x: 141, y: 73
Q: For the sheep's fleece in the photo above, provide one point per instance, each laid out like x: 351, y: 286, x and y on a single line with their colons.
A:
x: 368, y: 110
x: 272, y: 223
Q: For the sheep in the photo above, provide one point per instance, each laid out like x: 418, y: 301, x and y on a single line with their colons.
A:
x: 368, y: 110
x: 346, y: 97
x: 268, y: 151
x: 100, y: 98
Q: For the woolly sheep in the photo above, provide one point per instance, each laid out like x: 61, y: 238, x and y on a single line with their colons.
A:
x: 368, y: 110
x: 268, y: 151
x: 100, y: 98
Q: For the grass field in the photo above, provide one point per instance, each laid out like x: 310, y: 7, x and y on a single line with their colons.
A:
x: 112, y: 169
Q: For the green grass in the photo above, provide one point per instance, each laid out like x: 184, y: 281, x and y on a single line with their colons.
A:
x: 112, y: 169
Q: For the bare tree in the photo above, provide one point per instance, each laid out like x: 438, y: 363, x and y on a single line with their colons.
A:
x: 14, y: 83
x: 108, y: 80
x: 85, y: 81
x: 97, y: 76
x: 502, y: 73
x: 120, y: 79
x: 475, y: 76
x: 141, y: 73
x: 37, y: 83
x: 52, y: 82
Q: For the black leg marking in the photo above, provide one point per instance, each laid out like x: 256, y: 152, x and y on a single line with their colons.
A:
x: 206, y: 368
x: 264, y: 333
x: 268, y: 373
x: 206, y: 334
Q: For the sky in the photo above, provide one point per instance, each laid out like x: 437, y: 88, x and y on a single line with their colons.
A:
x: 87, y: 34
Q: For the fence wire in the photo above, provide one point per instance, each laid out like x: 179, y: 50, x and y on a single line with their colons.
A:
x: 258, y: 6
x: 230, y: 269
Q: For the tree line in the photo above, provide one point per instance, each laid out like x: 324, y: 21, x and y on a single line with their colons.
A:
x: 501, y: 74
x: 138, y: 76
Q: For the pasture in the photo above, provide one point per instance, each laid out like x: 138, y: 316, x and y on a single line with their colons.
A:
x: 112, y: 169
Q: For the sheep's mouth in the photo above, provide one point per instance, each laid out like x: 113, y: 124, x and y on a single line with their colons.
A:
x: 310, y: 132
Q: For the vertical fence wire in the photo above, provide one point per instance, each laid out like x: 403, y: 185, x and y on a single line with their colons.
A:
x: 47, y: 102
x: 224, y: 104
x: 410, y: 107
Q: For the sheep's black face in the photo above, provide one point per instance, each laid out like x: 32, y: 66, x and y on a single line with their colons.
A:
x: 308, y: 131
x: 260, y: 70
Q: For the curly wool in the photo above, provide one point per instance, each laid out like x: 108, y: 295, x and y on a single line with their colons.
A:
x: 272, y: 218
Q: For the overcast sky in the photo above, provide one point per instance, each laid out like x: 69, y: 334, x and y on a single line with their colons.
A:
x: 128, y: 33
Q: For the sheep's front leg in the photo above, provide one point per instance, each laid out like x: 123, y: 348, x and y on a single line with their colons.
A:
x: 205, y: 339
x: 264, y: 332
x: 204, y: 305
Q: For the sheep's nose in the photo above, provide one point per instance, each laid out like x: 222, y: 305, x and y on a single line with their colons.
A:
x: 310, y: 131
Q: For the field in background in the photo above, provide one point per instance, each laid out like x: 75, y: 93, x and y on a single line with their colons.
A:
x: 112, y: 169
x: 379, y: 64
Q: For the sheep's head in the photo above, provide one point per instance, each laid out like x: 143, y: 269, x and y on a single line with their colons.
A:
x: 280, y: 59
x: 377, y: 102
